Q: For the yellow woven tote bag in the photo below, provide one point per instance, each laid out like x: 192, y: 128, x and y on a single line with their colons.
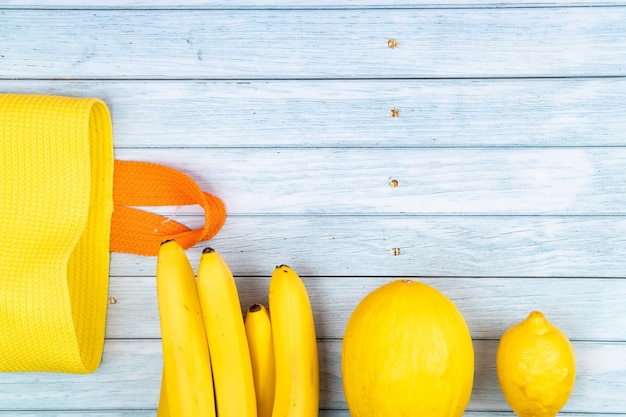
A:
x: 56, y: 177
x: 59, y: 221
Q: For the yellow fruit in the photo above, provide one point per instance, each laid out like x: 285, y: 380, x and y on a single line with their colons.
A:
x: 295, y: 346
x: 225, y: 331
x: 536, y: 367
x: 407, y: 351
x: 163, y: 409
x: 259, y: 333
x: 188, y: 379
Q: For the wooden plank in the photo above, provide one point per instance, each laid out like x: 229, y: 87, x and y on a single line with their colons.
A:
x: 356, y: 113
x: 293, y: 4
x: 500, y: 246
x: 585, y: 309
x: 429, y: 181
x: 129, y: 378
x: 297, y: 44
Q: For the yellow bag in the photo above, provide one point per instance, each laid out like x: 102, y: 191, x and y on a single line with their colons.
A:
x: 56, y: 209
x: 56, y: 176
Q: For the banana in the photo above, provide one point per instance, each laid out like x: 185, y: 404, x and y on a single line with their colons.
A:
x: 164, y: 408
x: 295, y: 346
x: 259, y: 333
x: 223, y: 320
x: 186, y: 361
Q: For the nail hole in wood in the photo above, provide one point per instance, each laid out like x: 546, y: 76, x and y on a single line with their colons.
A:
x: 395, y: 251
x: 394, y: 183
x: 394, y: 112
x: 392, y: 43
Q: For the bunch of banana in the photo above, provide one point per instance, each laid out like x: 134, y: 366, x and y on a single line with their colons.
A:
x: 217, y: 364
x: 206, y: 362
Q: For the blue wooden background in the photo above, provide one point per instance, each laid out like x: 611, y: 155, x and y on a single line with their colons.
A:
x: 479, y: 146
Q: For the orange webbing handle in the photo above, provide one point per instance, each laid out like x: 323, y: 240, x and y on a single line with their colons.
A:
x: 149, y: 184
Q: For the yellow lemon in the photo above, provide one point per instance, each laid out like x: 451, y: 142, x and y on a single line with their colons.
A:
x: 536, y: 367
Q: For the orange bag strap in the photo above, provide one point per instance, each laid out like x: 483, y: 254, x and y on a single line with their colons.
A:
x: 148, y: 184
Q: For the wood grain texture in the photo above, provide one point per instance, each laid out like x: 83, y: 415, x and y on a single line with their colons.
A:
x: 356, y: 113
x: 489, y: 305
x: 498, y: 246
x: 297, y: 44
x: 292, y: 4
x: 429, y: 181
x: 129, y: 379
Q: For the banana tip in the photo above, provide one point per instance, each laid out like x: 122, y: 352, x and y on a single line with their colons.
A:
x: 208, y: 250
x: 255, y: 308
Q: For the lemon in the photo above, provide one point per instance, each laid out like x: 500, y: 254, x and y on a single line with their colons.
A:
x: 536, y: 367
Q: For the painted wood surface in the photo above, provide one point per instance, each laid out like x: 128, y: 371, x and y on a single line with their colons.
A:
x: 135, y: 314
x: 561, y: 112
x: 502, y: 124
x: 406, y: 181
x: 296, y: 44
x: 294, y: 4
x: 130, y: 372
x: 327, y: 245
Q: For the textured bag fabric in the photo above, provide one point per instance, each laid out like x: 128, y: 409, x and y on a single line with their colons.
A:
x: 65, y: 204
x: 56, y: 181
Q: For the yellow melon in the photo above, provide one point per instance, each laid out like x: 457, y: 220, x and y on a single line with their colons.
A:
x: 407, y: 351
